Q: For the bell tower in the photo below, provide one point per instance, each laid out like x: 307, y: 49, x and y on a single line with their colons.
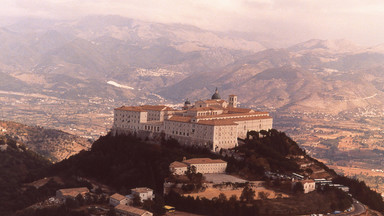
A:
x: 232, y: 101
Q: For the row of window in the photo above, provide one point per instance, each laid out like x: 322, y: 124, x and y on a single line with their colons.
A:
x: 152, y: 128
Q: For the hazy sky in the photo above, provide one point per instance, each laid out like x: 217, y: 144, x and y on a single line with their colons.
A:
x: 361, y: 21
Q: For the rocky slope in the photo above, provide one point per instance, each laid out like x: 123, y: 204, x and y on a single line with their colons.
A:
x: 53, y: 144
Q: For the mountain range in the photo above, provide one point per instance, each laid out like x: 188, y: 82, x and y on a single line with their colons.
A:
x: 132, y: 61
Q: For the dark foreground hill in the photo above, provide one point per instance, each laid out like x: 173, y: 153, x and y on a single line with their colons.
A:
x: 125, y: 162
x: 17, y: 165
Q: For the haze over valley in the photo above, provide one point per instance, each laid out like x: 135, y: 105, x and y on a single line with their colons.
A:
x: 78, y: 78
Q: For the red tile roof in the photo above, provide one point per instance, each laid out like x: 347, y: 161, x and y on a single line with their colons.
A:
x: 141, y: 190
x: 157, y: 107
x: 130, y: 209
x: 239, y: 115
x: 145, y: 108
x: 118, y: 197
x: 180, y: 118
x: 205, y: 108
x: 130, y: 108
x: 217, y: 122
x: 203, y: 161
x: 73, y: 191
x: 238, y: 110
x: 177, y: 164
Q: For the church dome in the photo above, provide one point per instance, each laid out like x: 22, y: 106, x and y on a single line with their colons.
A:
x: 187, y: 102
x: 216, y: 95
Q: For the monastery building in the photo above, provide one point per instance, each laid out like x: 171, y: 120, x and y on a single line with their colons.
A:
x: 213, y: 123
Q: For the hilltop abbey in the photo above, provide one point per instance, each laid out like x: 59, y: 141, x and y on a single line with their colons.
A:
x: 213, y: 123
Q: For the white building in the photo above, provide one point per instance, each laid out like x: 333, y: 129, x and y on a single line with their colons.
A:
x: 124, y: 210
x: 202, y: 165
x: 144, y: 193
x: 117, y: 199
x: 178, y: 168
x: 308, y: 185
x: 213, y: 123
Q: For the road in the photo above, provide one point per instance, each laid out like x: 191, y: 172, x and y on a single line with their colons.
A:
x: 358, y: 209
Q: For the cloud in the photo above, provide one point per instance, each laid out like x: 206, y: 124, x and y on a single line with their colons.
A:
x: 359, y: 20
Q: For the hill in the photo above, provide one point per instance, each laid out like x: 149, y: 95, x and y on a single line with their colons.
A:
x: 17, y: 166
x: 52, y: 144
x: 124, y: 162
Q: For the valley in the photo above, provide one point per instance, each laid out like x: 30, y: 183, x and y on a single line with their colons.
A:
x: 350, y: 143
x: 328, y: 95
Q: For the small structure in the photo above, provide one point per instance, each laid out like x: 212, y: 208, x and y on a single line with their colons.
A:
x: 202, y: 165
x: 207, y: 165
x: 144, y: 193
x: 117, y: 199
x: 308, y: 185
x: 71, y: 193
x: 124, y: 210
x: 178, y: 168
x: 340, y: 186
x: 297, y: 176
x: 169, y: 208
x: 305, y: 165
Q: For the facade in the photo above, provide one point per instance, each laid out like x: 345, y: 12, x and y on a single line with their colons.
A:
x: 124, y: 210
x: 202, y: 165
x: 117, y: 199
x: 178, y: 168
x: 144, y: 193
x: 71, y: 193
x: 215, y: 123
x: 308, y: 185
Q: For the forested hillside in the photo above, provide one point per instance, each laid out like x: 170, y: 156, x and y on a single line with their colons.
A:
x: 125, y: 162
x: 17, y: 165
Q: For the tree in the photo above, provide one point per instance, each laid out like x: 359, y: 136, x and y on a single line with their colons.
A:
x: 98, y: 190
x: 233, y: 199
x: 111, y: 212
x: 71, y: 203
x: 264, y: 133
x: 248, y: 194
x: 222, y: 198
x: 309, y: 171
x: 80, y: 200
x: 158, y: 207
x: 136, y: 201
x: 298, y: 188
x: 263, y: 195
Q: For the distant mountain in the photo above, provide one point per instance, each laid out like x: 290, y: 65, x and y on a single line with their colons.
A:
x: 75, y: 59
x: 333, y: 46
x: 167, y: 63
x: 53, y: 144
x: 314, y: 76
